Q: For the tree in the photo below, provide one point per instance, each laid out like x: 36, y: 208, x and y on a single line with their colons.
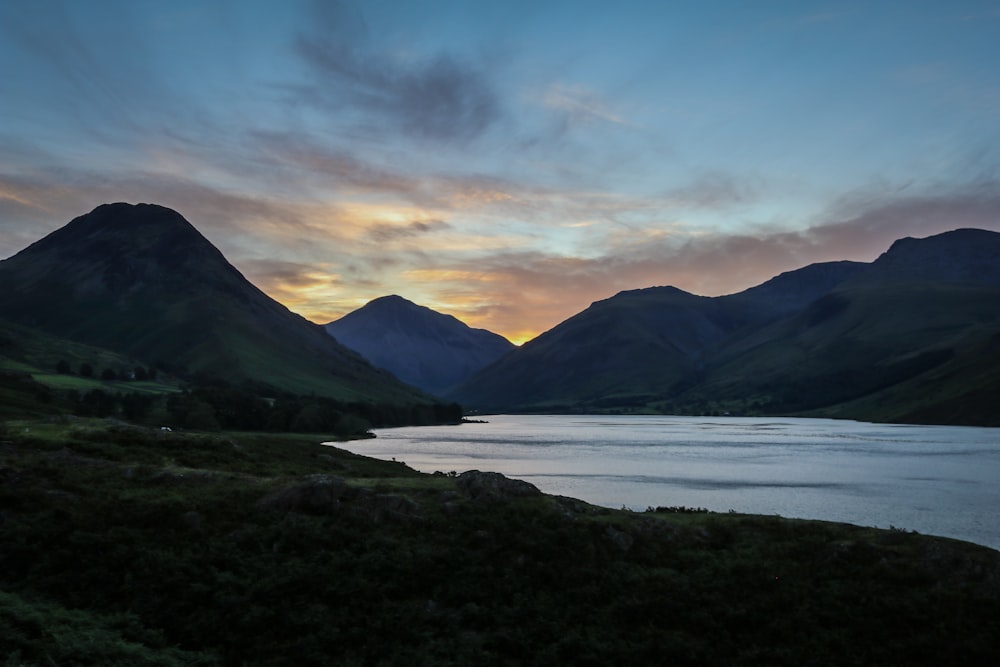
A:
x: 63, y: 367
x: 96, y: 403
x: 86, y: 370
x: 313, y: 418
x: 108, y: 374
x: 188, y: 411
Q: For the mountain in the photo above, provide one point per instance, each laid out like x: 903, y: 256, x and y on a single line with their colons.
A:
x: 913, y: 336
x: 789, y: 292
x: 142, y: 281
x: 418, y: 345
x: 619, y: 350
x: 968, y: 257
x: 634, y: 347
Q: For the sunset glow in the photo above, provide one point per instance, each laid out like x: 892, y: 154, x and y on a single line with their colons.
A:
x: 506, y: 163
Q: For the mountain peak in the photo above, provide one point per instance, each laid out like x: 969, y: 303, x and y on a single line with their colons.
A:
x: 961, y: 256
x: 140, y: 234
x: 142, y: 280
x: 392, y: 298
x: 656, y: 289
x: 428, y: 349
x: 125, y: 217
x: 394, y: 302
x: 962, y: 238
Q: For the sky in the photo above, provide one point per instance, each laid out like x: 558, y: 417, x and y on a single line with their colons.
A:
x: 508, y: 162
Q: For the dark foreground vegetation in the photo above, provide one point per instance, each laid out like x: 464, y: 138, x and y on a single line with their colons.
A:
x: 122, y: 545
x: 208, y: 407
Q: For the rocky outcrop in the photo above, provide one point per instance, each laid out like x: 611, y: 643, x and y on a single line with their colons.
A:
x: 316, y: 494
x: 325, y: 494
x: 492, y: 486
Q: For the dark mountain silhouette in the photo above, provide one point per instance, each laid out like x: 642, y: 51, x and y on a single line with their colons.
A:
x: 619, y: 349
x: 913, y: 336
x: 633, y: 347
x: 789, y: 292
x: 141, y: 280
x: 418, y: 345
x: 961, y: 257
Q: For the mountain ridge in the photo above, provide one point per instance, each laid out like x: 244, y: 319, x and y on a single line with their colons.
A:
x: 829, y: 338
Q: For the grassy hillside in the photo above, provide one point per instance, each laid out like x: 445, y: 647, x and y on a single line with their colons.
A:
x: 639, y: 347
x: 882, y: 353
x: 26, y: 350
x: 910, y: 337
x: 128, y: 546
x: 44, y: 375
x: 620, y: 351
x: 141, y: 280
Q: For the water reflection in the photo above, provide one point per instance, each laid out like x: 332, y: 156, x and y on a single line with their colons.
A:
x: 933, y: 479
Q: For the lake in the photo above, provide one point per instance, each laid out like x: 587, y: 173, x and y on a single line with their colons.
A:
x: 939, y: 480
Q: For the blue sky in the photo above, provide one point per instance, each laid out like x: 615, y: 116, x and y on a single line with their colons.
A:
x: 508, y: 163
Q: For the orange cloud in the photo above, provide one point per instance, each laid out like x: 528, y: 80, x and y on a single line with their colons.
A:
x: 515, y: 264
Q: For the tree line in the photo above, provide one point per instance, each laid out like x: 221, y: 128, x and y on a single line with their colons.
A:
x: 232, y: 408
x: 138, y: 373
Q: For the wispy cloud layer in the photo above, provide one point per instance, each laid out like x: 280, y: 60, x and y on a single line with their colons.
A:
x: 506, y: 163
x: 437, y: 96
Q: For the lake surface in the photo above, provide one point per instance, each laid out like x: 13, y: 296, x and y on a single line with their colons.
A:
x: 939, y: 480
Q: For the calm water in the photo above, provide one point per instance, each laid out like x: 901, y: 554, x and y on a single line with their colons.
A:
x: 939, y: 480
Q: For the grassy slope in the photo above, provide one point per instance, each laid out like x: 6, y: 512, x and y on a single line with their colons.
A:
x: 30, y: 386
x: 207, y: 334
x: 963, y: 390
x: 876, y: 353
x: 142, y: 281
x: 620, y: 351
x: 153, y: 548
x: 27, y: 350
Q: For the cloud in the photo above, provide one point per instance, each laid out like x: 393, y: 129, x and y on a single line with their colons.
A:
x: 439, y: 98
x: 519, y: 294
x: 714, y: 189
x: 79, y: 74
x: 308, y: 156
x: 296, y: 285
x: 384, y: 233
x: 49, y: 198
x: 865, y: 223
x: 580, y: 105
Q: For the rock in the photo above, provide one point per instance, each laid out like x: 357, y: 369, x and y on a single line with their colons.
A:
x: 317, y: 494
x: 492, y: 486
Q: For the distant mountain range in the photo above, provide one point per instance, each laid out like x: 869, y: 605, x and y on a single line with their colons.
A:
x: 142, y: 281
x: 913, y: 337
x: 422, y: 347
